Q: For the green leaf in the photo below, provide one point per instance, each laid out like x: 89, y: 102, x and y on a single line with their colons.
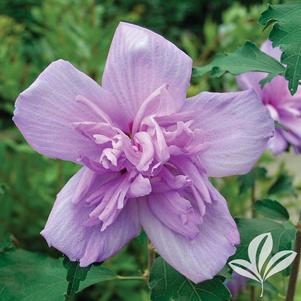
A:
x: 272, y: 209
x: 285, y: 33
x: 26, y: 276
x: 6, y: 243
x: 167, y: 284
x: 244, y: 59
x: 282, y: 185
x: 97, y: 274
x: 283, y: 234
x: 271, y: 291
x: 225, y: 273
x: 247, y: 181
x: 267, y: 79
x: 75, y: 274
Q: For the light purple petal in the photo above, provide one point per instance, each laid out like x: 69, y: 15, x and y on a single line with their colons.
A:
x: 292, y: 138
x: 278, y: 144
x: 203, y: 257
x: 236, y: 285
x: 276, y: 92
x: 139, y: 62
x: 176, y: 213
x: 85, y: 185
x: 141, y: 186
x: 292, y: 124
x: 143, y: 139
x: 46, y: 111
x: 236, y: 128
x: 268, y: 48
x: 251, y: 80
x: 159, y: 103
x: 292, y: 131
x: 273, y: 112
x: 168, y: 182
x: 66, y: 230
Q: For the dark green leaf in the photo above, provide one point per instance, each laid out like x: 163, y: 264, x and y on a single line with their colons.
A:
x: 245, y: 59
x: 75, y: 274
x: 270, y: 290
x: 272, y: 209
x: 267, y: 79
x: 283, y: 185
x: 26, y: 276
x: 167, y: 284
x: 283, y: 234
x: 286, y: 34
x: 225, y: 273
x: 247, y: 181
x: 6, y: 243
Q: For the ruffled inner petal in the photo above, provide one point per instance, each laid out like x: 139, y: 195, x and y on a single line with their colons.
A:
x: 176, y: 212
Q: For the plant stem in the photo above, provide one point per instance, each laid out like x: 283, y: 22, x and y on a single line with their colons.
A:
x: 118, y: 277
x: 253, y: 200
x: 150, y: 259
x: 295, y: 268
x: 261, y: 294
x: 69, y: 297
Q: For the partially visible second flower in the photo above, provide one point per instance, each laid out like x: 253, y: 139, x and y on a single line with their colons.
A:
x: 284, y: 108
x: 236, y: 285
x: 146, y: 154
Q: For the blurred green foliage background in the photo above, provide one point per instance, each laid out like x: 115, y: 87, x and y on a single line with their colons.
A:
x: 34, y: 33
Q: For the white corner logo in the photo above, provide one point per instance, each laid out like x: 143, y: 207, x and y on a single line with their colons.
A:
x: 259, y: 268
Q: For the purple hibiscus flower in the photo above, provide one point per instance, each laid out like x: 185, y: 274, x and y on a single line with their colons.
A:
x: 146, y: 154
x: 283, y: 107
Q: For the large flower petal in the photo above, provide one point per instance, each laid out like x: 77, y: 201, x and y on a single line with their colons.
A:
x: 203, y: 257
x: 139, y: 62
x: 60, y: 96
x: 66, y: 228
x: 236, y: 128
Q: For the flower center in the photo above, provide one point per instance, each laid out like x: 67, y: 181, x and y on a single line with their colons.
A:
x: 150, y: 159
x: 157, y: 133
x: 145, y: 150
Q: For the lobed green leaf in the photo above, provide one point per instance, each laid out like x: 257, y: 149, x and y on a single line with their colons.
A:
x: 27, y: 276
x: 272, y: 209
x: 283, y: 185
x: 167, y: 284
x: 244, y: 59
x: 286, y: 33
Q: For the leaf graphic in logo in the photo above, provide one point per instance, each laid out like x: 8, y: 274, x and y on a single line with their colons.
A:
x: 279, y: 262
x: 266, y: 250
x: 266, y: 242
x: 259, y: 250
x: 245, y: 268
